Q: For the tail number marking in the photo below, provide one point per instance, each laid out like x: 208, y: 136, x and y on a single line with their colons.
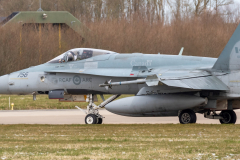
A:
x: 23, y: 74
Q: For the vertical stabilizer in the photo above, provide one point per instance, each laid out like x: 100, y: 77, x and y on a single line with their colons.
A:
x: 229, y: 59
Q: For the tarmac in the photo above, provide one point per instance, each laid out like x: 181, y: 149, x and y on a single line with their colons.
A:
x: 75, y: 116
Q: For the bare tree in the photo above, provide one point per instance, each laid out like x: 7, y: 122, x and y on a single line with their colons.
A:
x: 220, y: 3
x: 200, y: 6
x: 205, y: 5
x: 30, y: 4
x: 178, y: 9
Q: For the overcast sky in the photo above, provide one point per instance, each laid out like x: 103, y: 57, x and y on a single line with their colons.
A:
x: 236, y: 6
x: 237, y: 1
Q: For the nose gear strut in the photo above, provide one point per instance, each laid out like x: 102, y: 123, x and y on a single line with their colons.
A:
x: 93, y: 116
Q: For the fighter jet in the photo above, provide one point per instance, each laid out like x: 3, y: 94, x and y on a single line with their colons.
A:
x: 163, y: 85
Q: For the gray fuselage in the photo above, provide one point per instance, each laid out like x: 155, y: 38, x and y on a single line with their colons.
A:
x: 84, y: 76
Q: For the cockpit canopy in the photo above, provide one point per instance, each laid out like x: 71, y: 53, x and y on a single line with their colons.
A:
x: 79, y: 54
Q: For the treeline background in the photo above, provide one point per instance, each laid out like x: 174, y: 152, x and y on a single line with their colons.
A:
x: 202, y: 27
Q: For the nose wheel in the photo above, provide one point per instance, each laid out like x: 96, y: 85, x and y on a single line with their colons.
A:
x: 93, y: 116
x: 100, y: 120
x: 90, y: 119
x: 93, y: 119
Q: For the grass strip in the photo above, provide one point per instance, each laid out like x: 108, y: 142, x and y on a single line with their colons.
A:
x: 137, y: 141
x: 25, y: 102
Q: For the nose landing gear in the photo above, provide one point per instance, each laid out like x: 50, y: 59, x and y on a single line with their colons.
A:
x: 93, y: 116
x: 93, y: 119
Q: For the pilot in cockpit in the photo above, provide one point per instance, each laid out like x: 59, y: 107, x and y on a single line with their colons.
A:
x: 78, y: 54
x: 71, y: 56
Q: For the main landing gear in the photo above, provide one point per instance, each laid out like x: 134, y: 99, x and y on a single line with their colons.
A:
x: 93, y: 116
x: 187, y: 116
x: 225, y: 117
x: 228, y: 117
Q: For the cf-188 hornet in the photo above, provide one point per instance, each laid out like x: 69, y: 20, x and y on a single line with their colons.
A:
x: 163, y: 85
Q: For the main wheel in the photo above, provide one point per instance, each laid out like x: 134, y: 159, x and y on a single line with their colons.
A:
x: 100, y: 120
x: 91, y: 119
x: 229, y: 117
x: 187, y: 116
x: 194, y: 120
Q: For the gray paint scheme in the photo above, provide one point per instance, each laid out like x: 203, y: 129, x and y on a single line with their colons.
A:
x: 158, y: 103
x: 229, y: 58
x: 175, y: 82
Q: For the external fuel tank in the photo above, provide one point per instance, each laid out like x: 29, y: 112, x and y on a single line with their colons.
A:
x: 147, y: 104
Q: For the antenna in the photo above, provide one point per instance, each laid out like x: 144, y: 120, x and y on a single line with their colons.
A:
x: 40, y: 6
x: 181, y: 51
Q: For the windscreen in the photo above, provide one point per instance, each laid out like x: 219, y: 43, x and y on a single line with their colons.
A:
x: 79, y: 54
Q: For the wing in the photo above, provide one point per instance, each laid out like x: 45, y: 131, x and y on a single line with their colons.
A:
x: 193, y: 80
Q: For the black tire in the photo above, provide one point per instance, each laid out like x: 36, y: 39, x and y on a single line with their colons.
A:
x: 194, y: 120
x: 229, y: 116
x: 187, y: 116
x: 100, y: 120
x: 91, y: 119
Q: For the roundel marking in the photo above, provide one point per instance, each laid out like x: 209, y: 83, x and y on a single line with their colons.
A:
x: 76, y: 80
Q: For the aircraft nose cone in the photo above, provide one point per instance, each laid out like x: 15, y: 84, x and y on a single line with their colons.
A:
x: 4, y: 86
